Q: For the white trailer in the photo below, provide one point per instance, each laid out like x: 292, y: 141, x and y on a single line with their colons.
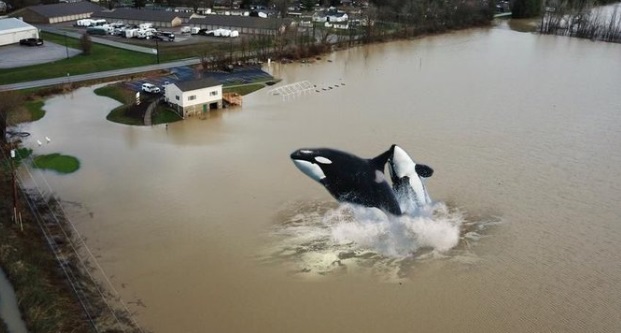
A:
x: 130, y: 33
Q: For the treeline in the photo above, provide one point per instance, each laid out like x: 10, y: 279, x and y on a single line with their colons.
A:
x: 392, y: 20
x: 535, y: 8
x: 582, y: 19
x: 428, y: 16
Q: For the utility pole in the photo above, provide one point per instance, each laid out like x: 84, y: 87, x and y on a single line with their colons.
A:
x: 17, y: 216
x: 157, y: 51
x: 66, y: 47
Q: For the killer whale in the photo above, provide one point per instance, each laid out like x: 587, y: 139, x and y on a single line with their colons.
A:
x: 407, y: 180
x: 348, y: 177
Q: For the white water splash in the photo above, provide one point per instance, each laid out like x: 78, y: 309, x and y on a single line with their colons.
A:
x: 434, y: 228
x: 318, y: 239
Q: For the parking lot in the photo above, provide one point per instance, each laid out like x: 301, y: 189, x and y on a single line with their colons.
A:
x: 239, y: 75
x: 16, y: 55
x: 180, y: 38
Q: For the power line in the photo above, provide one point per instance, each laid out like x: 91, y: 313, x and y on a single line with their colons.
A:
x: 71, y: 277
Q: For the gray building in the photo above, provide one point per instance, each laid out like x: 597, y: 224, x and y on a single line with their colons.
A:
x: 159, y: 18
x: 243, y: 24
x: 12, y: 30
x: 57, y: 13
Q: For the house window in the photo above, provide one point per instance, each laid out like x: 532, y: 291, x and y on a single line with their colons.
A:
x: 191, y: 98
x: 177, y: 97
x: 213, y: 93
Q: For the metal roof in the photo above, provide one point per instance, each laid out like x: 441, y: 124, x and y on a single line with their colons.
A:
x: 13, y: 25
x: 197, y: 84
x: 138, y: 14
x: 241, y: 21
x: 64, y: 9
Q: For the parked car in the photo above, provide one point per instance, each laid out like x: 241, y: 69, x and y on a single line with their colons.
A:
x: 97, y: 30
x: 206, y: 32
x: 166, y: 35
x: 31, y: 41
x: 150, y: 88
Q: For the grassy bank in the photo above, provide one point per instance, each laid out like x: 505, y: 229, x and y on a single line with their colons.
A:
x: 102, y: 58
x: 39, y: 256
x: 42, y: 294
x: 244, y: 89
x: 162, y: 114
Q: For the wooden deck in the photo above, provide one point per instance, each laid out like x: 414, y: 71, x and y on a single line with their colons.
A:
x: 232, y: 98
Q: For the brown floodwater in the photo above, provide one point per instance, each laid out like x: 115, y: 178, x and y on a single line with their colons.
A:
x: 207, y: 226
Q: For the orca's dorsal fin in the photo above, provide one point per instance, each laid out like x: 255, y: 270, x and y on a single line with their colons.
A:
x: 379, y: 161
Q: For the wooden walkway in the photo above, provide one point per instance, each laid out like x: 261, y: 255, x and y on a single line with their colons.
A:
x: 148, y: 115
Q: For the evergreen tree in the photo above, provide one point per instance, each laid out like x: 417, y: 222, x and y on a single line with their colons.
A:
x: 526, y: 8
x: 139, y: 3
x: 308, y: 5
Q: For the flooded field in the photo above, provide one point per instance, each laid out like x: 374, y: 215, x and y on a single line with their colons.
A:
x: 207, y: 226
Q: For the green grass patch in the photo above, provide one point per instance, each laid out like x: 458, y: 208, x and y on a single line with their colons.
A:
x: 57, y: 162
x: 244, y: 89
x: 102, y: 58
x: 119, y: 115
x: 115, y: 92
x: 35, y: 108
x: 164, y: 115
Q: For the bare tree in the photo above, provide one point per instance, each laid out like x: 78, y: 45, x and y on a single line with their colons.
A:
x: 86, y: 43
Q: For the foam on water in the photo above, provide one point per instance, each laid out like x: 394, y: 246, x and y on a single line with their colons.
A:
x: 316, y: 239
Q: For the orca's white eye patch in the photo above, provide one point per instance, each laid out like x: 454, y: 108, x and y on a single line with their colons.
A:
x: 323, y: 160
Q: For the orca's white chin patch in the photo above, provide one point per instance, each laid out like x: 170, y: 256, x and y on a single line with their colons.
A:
x: 310, y: 169
x: 401, y: 163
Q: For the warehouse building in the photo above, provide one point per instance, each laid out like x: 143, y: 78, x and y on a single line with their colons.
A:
x: 131, y: 16
x: 12, y: 30
x: 57, y: 13
x: 243, y: 24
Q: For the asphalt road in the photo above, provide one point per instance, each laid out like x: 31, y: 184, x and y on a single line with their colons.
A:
x: 15, y: 56
x: 97, y: 75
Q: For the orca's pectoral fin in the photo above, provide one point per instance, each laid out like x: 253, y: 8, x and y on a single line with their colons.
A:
x: 424, y: 171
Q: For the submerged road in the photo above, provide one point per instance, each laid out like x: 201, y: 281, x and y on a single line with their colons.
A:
x: 9, y: 311
x: 97, y: 75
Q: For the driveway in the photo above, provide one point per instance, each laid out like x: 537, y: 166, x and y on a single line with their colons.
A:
x: 16, y: 55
